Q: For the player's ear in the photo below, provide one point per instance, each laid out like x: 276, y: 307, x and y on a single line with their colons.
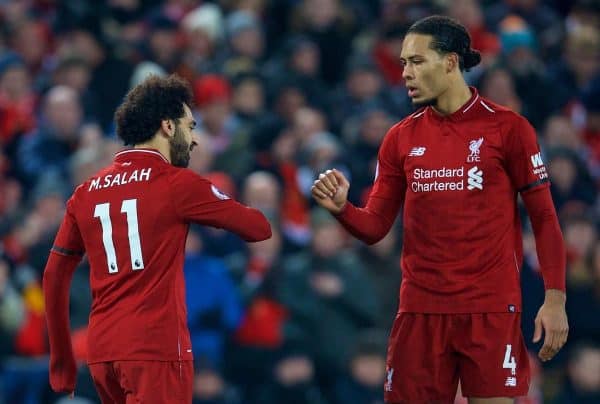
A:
x: 451, y: 62
x: 167, y: 126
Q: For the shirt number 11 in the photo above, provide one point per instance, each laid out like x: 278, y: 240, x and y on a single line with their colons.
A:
x: 129, y: 207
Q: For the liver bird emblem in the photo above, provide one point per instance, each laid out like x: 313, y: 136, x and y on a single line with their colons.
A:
x: 474, y: 146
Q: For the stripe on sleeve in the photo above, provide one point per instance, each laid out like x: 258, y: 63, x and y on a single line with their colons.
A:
x: 66, y: 251
x: 533, y: 184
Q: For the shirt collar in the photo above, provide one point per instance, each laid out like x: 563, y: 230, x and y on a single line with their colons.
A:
x: 141, y: 152
x: 460, y: 113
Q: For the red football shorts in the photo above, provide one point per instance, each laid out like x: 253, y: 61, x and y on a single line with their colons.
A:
x: 147, y: 382
x: 429, y: 353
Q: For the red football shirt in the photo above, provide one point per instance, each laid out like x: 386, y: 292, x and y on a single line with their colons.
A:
x: 131, y: 219
x: 458, y: 177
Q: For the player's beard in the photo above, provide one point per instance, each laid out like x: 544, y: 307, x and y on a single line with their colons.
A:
x: 180, y: 149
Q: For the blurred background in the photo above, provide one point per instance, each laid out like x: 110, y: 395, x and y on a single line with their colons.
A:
x: 283, y: 89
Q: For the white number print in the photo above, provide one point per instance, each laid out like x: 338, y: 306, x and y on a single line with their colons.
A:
x: 509, y: 361
x: 129, y: 207
x: 102, y: 211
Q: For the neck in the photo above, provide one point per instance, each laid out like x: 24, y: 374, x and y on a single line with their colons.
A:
x: 453, y: 98
x: 155, y: 143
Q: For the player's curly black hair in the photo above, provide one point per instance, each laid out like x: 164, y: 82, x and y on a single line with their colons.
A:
x: 147, y: 104
x: 448, y: 36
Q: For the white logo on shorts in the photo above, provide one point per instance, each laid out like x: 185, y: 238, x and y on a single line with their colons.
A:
x: 511, y: 382
x: 388, y: 383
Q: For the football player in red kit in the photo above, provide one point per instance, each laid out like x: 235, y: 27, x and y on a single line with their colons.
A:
x: 131, y: 220
x: 457, y: 165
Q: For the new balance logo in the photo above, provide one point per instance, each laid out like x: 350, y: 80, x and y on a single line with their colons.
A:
x: 511, y: 382
x: 475, y: 179
x: 417, y: 151
x: 536, y: 160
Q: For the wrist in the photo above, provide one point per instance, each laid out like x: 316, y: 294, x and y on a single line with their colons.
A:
x: 555, y: 296
x: 340, y: 209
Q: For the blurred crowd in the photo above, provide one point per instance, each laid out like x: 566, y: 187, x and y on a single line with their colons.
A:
x: 283, y: 89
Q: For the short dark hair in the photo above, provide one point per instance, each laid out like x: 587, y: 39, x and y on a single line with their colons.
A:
x: 147, y: 104
x: 448, y: 36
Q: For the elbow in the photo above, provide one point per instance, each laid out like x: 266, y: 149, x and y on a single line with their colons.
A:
x: 262, y: 229
x: 544, y: 218
x: 48, y: 279
x: 368, y: 237
x: 373, y: 239
x: 370, y: 234
x: 264, y: 232
x: 542, y: 215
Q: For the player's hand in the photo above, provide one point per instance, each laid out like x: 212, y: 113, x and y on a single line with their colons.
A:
x: 552, y: 318
x: 330, y: 190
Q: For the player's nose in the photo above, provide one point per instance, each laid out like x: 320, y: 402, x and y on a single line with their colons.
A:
x: 195, y: 139
x: 407, y: 73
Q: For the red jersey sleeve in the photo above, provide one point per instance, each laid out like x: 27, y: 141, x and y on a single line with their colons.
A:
x: 528, y: 174
x: 371, y: 223
x: 68, y: 241
x: 66, y: 253
x: 523, y: 157
x: 197, y: 200
x: 549, y: 242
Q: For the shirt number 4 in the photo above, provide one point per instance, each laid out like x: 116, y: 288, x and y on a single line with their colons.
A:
x: 129, y: 207
x: 509, y: 360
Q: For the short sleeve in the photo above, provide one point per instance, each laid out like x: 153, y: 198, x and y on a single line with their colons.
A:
x: 523, y: 157
x: 68, y: 240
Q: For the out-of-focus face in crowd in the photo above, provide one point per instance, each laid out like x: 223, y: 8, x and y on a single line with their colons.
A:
x: 560, y: 132
x: 249, y: 97
x: 584, y: 370
x: 15, y: 83
x: 63, y: 112
x: 582, y: 52
x: 499, y: 86
x: 563, y: 173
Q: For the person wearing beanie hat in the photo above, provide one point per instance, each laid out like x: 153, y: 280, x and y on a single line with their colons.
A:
x: 144, y: 70
x: 203, y: 34
x: 206, y: 18
x: 211, y: 88
x: 246, y: 41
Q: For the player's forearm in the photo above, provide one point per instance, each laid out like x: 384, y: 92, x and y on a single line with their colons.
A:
x: 548, y: 238
x: 248, y: 223
x: 56, y: 285
x: 371, y: 223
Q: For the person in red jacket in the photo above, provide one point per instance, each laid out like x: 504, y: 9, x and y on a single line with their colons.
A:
x: 457, y: 165
x: 131, y: 219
